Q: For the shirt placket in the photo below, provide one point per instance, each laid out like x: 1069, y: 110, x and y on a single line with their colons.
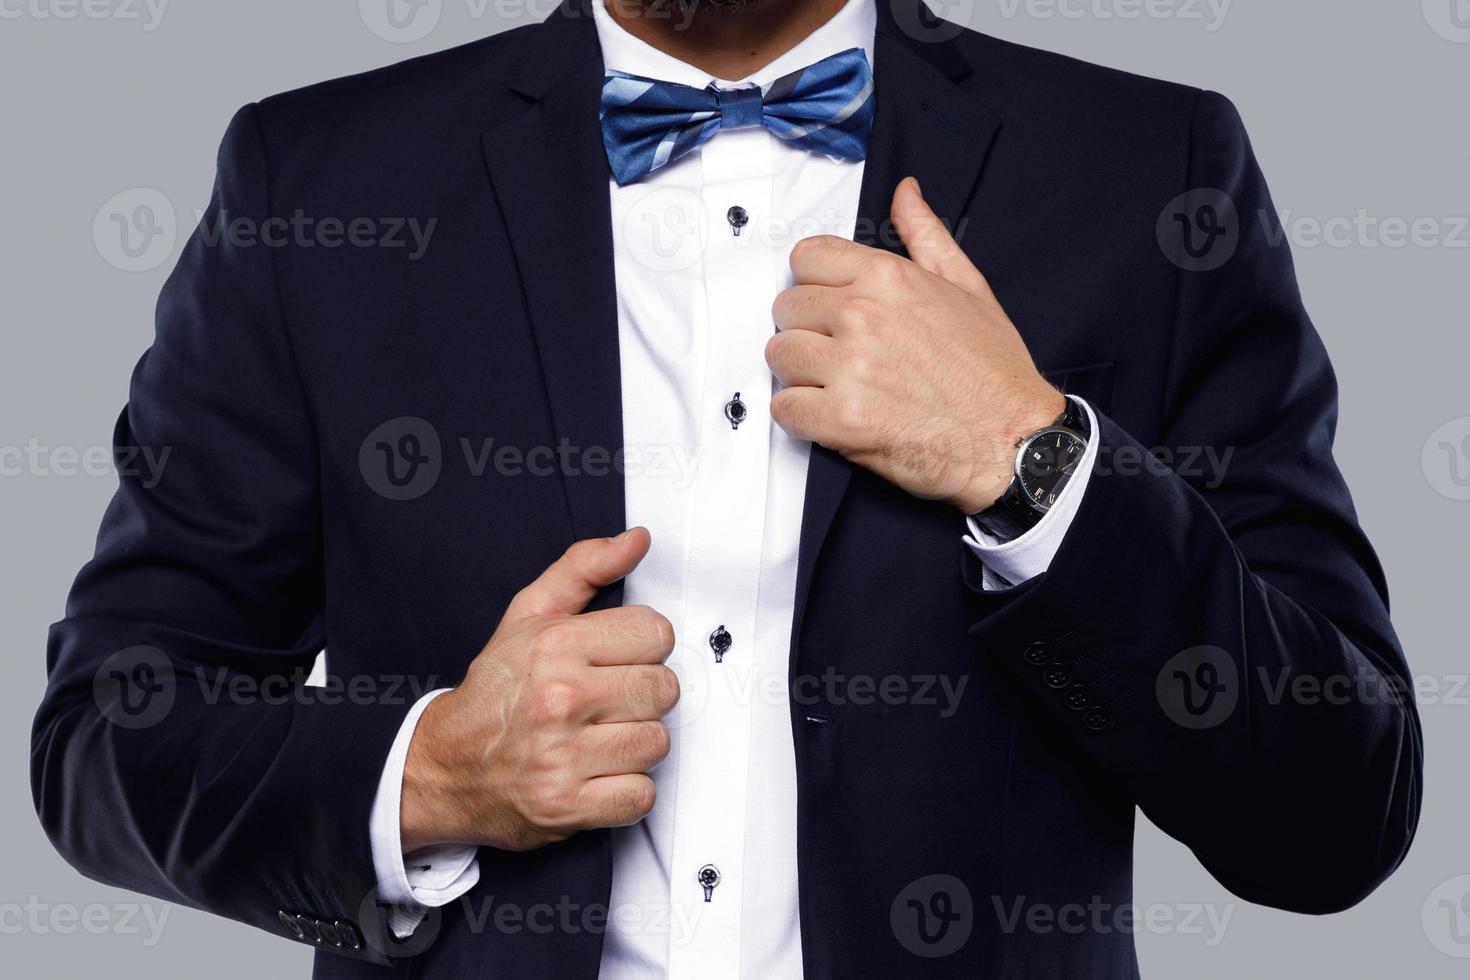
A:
x: 718, y: 639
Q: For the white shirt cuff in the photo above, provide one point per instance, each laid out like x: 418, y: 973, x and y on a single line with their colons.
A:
x: 429, y: 877
x: 1010, y: 563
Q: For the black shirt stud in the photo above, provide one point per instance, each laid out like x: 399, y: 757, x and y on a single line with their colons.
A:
x: 735, y: 411
x: 709, y: 877
x: 738, y: 218
x: 720, y: 641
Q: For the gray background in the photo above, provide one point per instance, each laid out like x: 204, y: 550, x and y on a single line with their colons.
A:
x: 1354, y: 109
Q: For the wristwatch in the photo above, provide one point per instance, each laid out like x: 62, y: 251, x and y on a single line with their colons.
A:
x: 1045, y: 462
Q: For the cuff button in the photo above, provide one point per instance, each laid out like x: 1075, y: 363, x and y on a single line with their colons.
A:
x: 1077, y: 697
x: 1099, y: 719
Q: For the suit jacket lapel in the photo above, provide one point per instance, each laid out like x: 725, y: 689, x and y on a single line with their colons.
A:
x: 930, y: 125
x: 549, y: 171
x: 548, y: 168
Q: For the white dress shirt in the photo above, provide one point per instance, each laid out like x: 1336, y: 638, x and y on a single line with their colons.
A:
x: 723, y: 504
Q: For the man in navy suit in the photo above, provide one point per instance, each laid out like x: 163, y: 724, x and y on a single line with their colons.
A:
x: 880, y: 456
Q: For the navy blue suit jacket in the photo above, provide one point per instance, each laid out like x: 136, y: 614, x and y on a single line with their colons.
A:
x: 1142, y: 670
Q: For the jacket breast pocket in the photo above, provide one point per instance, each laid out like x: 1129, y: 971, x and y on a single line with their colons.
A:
x: 1092, y: 382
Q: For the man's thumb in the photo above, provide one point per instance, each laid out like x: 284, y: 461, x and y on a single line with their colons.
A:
x: 574, y: 579
x: 928, y: 241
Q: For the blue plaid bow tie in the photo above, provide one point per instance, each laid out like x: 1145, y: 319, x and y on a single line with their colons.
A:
x: 826, y: 108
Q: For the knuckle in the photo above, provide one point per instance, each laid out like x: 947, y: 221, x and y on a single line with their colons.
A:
x: 663, y: 633
x: 783, y: 407
x: 861, y: 366
x: 776, y: 349
x: 556, y: 639
x: 660, y: 742
x: 667, y: 690
x: 857, y: 314
x: 782, y: 307
x: 553, y: 760
x: 558, y: 702
x: 888, y: 269
x: 650, y: 624
x: 851, y: 413
x: 637, y: 800
x: 547, y: 804
x: 806, y: 248
x: 578, y: 550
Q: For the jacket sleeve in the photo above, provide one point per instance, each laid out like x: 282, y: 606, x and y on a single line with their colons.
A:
x: 176, y: 751
x: 1217, y: 637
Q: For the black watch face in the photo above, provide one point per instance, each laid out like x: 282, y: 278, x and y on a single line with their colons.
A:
x: 1047, y: 462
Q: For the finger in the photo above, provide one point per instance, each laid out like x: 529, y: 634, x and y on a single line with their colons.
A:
x: 929, y: 242
x: 615, y: 801
x: 641, y: 692
x: 826, y: 260
x: 627, y: 635
x: 573, y: 579
x: 800, y: 357
x: 806, y: 308
x: 625, y: 747
x: 805, y: 413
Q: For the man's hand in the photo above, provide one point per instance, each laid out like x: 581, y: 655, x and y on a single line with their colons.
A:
x: 909, y: 368
x: 556, y: 724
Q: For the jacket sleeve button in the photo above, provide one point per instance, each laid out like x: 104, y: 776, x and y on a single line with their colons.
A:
x: 1057, y: 677
x: 292, y: 926
x: 310, y: 931
x: 350, y: 939
x: 1038, y: 655
x: 1099, y: 719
